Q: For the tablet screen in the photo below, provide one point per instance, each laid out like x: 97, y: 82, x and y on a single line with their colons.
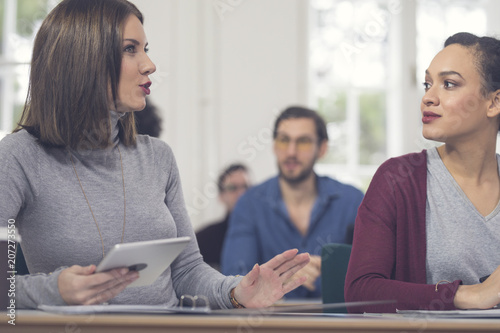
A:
x: 150, y: 258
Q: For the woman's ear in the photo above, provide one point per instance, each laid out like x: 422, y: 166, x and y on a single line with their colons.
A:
x: 494, y: 108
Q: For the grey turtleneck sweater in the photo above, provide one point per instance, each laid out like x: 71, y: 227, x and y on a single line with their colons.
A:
x: 40, y: 190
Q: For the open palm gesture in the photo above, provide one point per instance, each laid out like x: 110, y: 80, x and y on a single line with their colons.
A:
x: 266, y: 284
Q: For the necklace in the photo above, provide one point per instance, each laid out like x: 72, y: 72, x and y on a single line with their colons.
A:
x: 88, y: 203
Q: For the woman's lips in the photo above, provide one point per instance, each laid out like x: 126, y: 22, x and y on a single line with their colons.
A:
x: 145, y: 88
x: 428, y: 117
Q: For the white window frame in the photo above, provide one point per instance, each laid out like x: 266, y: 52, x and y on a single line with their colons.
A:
x: 401, y: 94
x: 9, y: 64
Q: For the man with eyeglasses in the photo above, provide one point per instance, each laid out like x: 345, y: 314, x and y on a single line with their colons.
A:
x: 296, y: 209
x: 232, y: 183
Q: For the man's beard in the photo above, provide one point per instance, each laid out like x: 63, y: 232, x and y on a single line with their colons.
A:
x: 301, y: 177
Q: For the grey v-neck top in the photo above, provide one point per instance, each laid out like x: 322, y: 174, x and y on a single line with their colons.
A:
x: 461, y: 243
x: 39, y: 189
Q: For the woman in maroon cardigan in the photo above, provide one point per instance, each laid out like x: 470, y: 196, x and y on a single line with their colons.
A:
x: 390, y: 256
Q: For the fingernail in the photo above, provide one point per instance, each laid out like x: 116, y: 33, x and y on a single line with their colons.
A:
x: 123, y: 271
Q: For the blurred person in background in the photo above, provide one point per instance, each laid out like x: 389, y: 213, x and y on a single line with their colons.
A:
x: 148, y: 121
x: 296, y: 208
x: 232, y: 183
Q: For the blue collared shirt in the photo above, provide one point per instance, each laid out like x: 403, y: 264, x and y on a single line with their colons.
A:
x: 260, y: 226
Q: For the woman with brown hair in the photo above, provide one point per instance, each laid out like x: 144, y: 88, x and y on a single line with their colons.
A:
x: 77, y: 179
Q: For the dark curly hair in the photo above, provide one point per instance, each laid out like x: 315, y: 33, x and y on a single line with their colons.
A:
x: 486, y: 50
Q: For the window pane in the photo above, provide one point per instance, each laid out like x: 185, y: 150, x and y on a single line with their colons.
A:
x: 349, y: 40
x: 439, y: 19
x: 333, y: 109
x: 20, y: 91
x: 348, y: 62
x: 373, y: 128
x: 14, y: 86
x: 30, y: 14
x: 19, y: 22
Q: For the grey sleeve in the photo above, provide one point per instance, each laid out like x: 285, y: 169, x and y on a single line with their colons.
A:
x: 36, y: 289
x: 19, y: 175
x: 190, y: 274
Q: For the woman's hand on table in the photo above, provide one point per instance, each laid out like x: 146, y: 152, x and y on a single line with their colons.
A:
x: 479, y: 296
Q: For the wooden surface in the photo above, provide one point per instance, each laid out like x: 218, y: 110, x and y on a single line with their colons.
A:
x: 40, y: 322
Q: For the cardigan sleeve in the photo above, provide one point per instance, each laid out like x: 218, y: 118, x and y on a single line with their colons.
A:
x: 388, y: 255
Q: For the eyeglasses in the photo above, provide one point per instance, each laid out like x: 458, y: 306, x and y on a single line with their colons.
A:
x: 234, y: 188
x: 302, y: 144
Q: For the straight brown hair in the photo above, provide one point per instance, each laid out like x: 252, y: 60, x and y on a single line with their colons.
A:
x: 76, y: 63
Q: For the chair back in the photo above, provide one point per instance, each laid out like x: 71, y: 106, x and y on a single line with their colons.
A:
x: 334, y: 261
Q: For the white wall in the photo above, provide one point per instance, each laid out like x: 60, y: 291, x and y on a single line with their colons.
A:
x: 224, y: 69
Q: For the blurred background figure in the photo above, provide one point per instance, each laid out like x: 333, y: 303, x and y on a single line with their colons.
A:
x: 148, y: 121
x: 296, y: 208
x: 232, y: 183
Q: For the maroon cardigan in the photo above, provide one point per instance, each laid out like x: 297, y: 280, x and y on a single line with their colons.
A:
x: 389, y: 247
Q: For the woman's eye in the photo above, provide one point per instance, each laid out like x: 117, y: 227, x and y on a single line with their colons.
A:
x: 426, y: 85
x: 448, y: 84
x: 129, y: 48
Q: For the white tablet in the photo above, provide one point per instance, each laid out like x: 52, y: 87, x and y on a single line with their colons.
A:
x: 151, y: 258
